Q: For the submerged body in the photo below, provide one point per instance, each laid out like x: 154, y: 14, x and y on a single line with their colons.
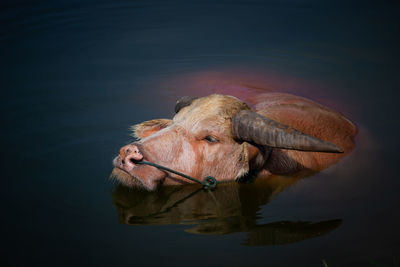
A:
x: 220, y: 136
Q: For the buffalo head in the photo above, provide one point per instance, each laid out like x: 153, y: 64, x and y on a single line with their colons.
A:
x: 216, y: 135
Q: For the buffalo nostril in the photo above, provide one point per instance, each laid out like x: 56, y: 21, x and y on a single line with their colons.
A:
x: 123, y: 161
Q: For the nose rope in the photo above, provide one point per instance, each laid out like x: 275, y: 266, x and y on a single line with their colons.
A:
x: 208, y: 183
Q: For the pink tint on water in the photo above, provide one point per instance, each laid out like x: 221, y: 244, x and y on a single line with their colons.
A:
x: 245, y: 83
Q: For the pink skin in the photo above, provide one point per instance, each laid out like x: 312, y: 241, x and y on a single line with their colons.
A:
x: 174, y: 148
x: 127, y: 157
x: 125, y: 161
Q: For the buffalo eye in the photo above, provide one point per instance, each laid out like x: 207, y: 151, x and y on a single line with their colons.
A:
x: 211, y: 139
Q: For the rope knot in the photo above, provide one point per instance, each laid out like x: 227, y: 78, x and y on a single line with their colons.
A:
x: 209, y: 183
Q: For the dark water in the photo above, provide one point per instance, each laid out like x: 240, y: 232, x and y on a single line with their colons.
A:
x: 75, y: 75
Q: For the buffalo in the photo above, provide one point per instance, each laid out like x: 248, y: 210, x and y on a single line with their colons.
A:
x: 224, y: 137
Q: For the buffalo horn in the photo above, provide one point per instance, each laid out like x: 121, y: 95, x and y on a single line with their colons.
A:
x: 252, y: 127
x: 183, y: 102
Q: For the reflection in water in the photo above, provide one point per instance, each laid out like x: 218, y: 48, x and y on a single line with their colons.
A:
x: 231, y: 208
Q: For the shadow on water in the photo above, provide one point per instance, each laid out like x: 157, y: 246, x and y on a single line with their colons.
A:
x: 230, y: 208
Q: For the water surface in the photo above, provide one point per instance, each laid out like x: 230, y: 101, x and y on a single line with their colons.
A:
x: 75, y: 75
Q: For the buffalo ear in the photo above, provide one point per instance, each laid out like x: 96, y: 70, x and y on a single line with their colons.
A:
x: 147, y: 128
x: 184, y: 102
